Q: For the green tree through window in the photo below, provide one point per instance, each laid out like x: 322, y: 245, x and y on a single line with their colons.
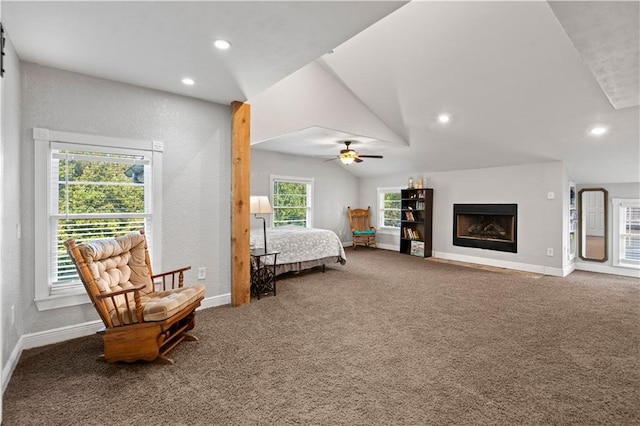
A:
x: 96, y: 198
x: 291, y: 202
x: 389, y: 207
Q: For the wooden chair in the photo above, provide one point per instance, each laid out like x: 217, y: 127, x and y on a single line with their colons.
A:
x: 141, y: 322
x: 363, y: 233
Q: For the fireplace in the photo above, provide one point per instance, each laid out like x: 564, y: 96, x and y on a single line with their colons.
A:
x: 486, y: 226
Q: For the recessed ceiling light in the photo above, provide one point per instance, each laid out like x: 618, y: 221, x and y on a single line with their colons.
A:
x: 222, y: 44
x: 598, y: 130
x: 188, y: 81
x: 444, y: 118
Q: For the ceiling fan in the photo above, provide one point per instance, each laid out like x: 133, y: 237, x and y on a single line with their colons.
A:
x: 348, y: 155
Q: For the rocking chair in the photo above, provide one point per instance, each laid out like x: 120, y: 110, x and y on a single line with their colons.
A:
x: 141, y: 323
x: 363, y: 233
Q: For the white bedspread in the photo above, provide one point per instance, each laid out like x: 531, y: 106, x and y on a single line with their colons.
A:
x: 298, y: 244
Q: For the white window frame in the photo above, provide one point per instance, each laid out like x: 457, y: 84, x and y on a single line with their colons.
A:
x: 380, y: 211
x: 617, y: 223
x: 309, y: 181
x: 45, y: 298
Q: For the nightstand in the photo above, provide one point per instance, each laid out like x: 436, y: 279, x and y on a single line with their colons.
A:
x: 263, y: 275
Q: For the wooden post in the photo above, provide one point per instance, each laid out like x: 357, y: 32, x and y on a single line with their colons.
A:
x: 240, y: 190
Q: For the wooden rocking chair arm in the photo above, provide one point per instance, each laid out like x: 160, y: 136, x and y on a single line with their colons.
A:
x: 164, y: 274
x: 123, y: 291
x: 172, y: 274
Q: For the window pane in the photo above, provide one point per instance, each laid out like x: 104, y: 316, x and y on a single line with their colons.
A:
x: 390, y: 209
x: 290, y: 216
x: 392, y: 218
x: 392, y: 200
x: 631, y: 246
x: 290, y: 200
x: 98, y: 183
x: 631, y: 220
x: 290, y: 203
x: 84, y: 230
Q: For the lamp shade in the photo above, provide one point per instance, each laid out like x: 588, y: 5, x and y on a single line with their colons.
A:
x: 259, y: 204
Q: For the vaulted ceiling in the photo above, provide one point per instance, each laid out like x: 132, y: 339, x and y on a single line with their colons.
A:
x: 522, y: 81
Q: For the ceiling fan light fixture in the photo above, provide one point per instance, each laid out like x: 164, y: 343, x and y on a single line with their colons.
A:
x: 348, y: 157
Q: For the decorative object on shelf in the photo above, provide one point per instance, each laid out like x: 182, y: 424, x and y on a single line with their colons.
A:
x: 420, y: 183
x: 260, y: 205
x: 410, y: 186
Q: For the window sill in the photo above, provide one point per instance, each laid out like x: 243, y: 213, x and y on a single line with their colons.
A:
x: 389, y: 231
x: 626, y: 265
x: 70, y: 298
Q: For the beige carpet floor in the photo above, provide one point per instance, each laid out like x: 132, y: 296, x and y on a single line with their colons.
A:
x: 387, y: 339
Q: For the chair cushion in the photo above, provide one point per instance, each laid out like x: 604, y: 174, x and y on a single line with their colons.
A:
x: 371, y: 232
x: 164, y: 304
x: 117, y: 263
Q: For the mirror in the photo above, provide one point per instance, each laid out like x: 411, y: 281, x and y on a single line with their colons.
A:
x: 592, y: 208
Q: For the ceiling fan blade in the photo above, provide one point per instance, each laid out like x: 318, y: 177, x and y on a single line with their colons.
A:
x: 370, y: 156
x: 330, y: 159
x: 358, y: 160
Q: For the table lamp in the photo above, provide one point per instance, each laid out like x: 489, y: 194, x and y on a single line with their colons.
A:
x: 260, y: 205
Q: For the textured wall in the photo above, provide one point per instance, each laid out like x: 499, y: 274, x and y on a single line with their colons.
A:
x: 196, y: 170
x: 334, y: 187
x: 10, y: 277
x: 539, y: 220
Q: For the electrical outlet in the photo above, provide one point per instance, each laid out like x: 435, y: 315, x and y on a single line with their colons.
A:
x: 549, y: 252
x: 202, y: 273
x: 550, y: 195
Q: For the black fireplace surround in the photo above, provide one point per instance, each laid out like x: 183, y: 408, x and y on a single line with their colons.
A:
x: 486, y: 226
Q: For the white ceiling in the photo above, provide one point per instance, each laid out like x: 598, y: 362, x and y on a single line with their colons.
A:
x: 516, y: 86
x: 155, y: 44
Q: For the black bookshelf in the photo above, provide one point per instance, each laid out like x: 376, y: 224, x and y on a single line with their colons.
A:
x: 416, y: 221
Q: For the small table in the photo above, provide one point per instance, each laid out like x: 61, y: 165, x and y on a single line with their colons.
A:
x: 263, y: 276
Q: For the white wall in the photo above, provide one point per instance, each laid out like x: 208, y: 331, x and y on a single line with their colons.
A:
x: 11, y: 249
x: 312, y: 97
x: 540, y: 221
x: 196, y: 171
x: 334, y: 188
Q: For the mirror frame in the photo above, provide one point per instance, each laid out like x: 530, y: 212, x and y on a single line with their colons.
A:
x: 581, y: 235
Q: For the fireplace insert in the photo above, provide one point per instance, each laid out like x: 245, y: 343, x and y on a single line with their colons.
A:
x: 486, y: 226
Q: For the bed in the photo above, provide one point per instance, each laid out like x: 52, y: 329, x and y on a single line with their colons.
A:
x: 301, y: 248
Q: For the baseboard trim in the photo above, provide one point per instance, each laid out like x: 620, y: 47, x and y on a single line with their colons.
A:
x: 518, y: 266
x: 607, y: 269
x: 569, y: 269
x: 11, y: 364
x: 213, y: 301
x: 57, y: 335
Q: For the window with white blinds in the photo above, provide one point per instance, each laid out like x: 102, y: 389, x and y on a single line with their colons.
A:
x: 626, y: 229
x: 89, y: 187
x: 95, y: 193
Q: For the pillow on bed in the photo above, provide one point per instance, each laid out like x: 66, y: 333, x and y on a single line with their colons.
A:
x: 364, y: 232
